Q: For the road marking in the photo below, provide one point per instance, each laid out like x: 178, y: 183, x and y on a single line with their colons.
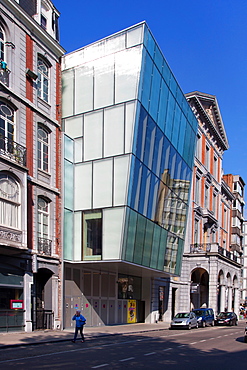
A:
x: 167, y: 349
x: 193, y: 343
x: 182, y: 345
x: 96, y: 367
x: 203, y: 340
x: 127, y: 359
x: 149, y: 354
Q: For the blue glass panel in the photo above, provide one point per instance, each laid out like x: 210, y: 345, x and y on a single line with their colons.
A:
x: 155, y: 93
x: 131, y: 235
x: 139, y: 240
x: 137, y: 124
x: 152, y: 199
x: 176, y: 126
x: 149, y: 42
x: 135, y: 191
x: 155, y: 247
x: 178, y: 167
x: 170, y: 116
x: 158, y: 58
x: 180, y: 96
x: 181, y: 137
x: 145, y: 174
x: 163, y: 105
x: 172, y: 162
x: 69, y: 185
x: 162, y: 249
x: 149, y: 143
x: 68, y: 235
x: 147, y: 78
x: 68, y: 148
x: 173, y: 85
x: 179, y: 257
x: 148, y: 243
x: 157, y: 151
x: 131, y: 181
x: 141, y: 135
x: 166, y: 72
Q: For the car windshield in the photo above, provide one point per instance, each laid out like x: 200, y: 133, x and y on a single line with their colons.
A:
x: 198, y: 312
x: 224, y: 314
x: 182, y: 315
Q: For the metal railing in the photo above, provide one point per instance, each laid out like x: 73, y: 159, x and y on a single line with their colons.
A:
x: 44, y: 246
x: 4, y: 76
x: 44, y: 319
x: 12, y: 150
x: 200, y: 248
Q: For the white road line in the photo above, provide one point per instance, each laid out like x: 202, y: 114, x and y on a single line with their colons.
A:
x: 96, y: 367
x: 149, y: 354
x: 203, y: 340
x: 167, y: 349
x: 127, y: 359
x: 193, y: 343
x: 182, y: 345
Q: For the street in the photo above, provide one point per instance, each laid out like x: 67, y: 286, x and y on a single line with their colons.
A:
x: 203, y: 348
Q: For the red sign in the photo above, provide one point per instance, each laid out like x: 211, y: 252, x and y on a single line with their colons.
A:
x: 16, y: 304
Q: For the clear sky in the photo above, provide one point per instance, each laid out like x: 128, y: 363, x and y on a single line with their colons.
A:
x: 204, y: 42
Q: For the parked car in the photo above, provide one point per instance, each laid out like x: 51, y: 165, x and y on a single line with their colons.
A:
x: 186, y: 320
x: 205, y: 316
x: 245, y: 334
x: 226, y: 318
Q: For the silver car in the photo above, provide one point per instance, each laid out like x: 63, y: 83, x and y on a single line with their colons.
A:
x: 186, y: 320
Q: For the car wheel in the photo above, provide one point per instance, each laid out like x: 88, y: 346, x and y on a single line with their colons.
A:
x: 212, y: 323
x: 236, y: 322
x: 230, y: 323
x: 189, y: 326
x: 203, y: 324
x: 197, y: 325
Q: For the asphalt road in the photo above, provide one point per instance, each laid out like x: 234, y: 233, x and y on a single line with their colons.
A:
x: 204, y: 349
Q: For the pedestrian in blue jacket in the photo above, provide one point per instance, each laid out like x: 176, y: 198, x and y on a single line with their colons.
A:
x: 80, y: 321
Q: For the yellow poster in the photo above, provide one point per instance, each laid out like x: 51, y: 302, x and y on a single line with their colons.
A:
x: 131, y: 313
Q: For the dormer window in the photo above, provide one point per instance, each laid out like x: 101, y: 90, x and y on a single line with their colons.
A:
x: 43, y: 22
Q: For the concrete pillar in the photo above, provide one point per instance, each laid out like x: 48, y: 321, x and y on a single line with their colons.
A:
x: 229, y: 303
x: 57, y: 323
x: 222, y: 298
x: 28, y: 281
x: 236, y: 301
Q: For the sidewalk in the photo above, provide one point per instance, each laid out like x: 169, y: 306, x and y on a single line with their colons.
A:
x: 14, y: 339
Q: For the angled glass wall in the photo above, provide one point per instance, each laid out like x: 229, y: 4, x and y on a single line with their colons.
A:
x: 133, y: 136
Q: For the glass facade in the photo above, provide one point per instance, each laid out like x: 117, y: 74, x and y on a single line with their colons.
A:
x: 129, y: 151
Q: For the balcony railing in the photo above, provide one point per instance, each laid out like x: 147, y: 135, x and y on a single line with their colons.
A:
x: 44, y: 246
x: 4, y: 76
x: 200, y: 248
x: 12, y: 150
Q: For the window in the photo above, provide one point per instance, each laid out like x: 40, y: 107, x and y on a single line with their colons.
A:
x: 6, y: 127
x: 207, y: 164
x: 92, y: 235
x: 43, y: 22
x: 43, y: 79
x: 43, y: 218
x: 197, y: 190
x: 43, y: 148
x: 1, y: 44
x: 206, y: 197
x: 9, y: 201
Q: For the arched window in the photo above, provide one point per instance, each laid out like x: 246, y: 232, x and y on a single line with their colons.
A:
x: 43, y: 80
x: 43, y: 218
x: 1, y: 44
x: 43, y: 148
x: 9, y: 201
x: 6, y: 127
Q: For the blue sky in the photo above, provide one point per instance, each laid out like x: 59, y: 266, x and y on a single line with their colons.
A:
x: 204, y: 42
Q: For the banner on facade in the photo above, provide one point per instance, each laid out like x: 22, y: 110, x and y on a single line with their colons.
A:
x: 131, y: 313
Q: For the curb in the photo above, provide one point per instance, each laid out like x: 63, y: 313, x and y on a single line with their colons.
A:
x: 69, y: 340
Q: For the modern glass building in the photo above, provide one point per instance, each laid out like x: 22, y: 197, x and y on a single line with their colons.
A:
x: 129, y: 137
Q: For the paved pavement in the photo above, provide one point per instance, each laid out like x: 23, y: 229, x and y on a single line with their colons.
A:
x: 14, y: 339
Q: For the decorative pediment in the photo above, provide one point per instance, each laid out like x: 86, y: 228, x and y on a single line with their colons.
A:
x: 207, y: 107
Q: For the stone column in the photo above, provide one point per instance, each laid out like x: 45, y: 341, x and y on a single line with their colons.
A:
x: 229, y: 303
x: 236, y: 301
x: 222, y: 298
x: 28, y: 281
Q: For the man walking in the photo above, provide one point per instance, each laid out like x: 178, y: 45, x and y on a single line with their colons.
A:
x: 80, y: 321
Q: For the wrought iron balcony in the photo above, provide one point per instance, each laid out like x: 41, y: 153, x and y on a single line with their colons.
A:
x: 12, y: 150
x: 200, y: 248
x: 44, y: 246
x: 4, y: 76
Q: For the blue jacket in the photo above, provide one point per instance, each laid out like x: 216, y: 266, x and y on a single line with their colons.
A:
x: 79, y: 320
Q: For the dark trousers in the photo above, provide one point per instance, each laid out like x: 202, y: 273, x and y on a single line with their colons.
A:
x: 80, y: 329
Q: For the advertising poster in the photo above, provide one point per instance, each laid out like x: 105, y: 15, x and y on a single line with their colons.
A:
x: 131, y: 313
